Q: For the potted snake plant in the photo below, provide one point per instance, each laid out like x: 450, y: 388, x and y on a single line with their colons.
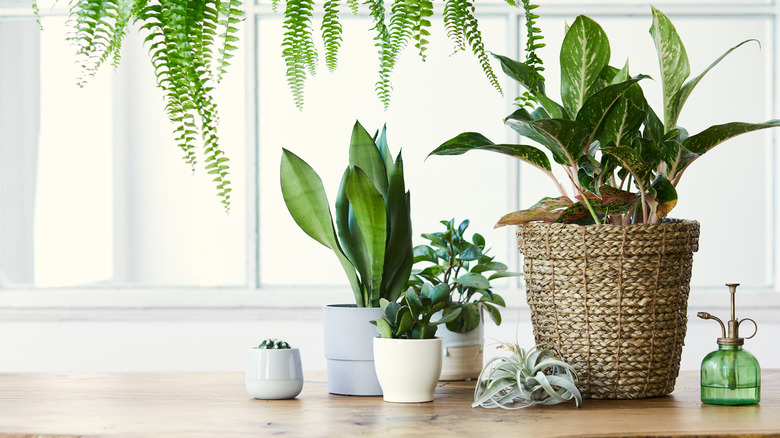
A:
x: 607, y: 273
x: 372, y: 240
x: 407, y: 355
x: 467, y: 269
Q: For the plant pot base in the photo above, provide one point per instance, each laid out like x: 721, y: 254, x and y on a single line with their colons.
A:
x: 353, y: 377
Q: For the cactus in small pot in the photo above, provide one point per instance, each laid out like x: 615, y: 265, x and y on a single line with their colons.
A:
x: 274, y: 344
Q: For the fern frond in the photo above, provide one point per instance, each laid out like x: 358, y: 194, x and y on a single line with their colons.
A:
x: 97, y: 30
x: 298, y: 48
x: 230, y: 15
x: 353, y: 6
x: 331, y: 33
x: 454, y: 25
x: 275, y: 4
x: 532, y: 60
x: 383, y: 43
x: 421, y: 11
x: 463, y: 22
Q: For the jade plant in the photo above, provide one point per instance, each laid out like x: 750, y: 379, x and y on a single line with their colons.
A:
x: 372, y: 238
x: 273, y: 344
x: 467, y: 270
x: 526, y: 378
x: 411, y: 318
x: 622, y: 161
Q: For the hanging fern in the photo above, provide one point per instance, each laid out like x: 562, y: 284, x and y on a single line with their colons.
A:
x: 408, y: 20
x: 462, y: 27
x: 298, y: 50
x: 331, y: 33
x: 532, y: 60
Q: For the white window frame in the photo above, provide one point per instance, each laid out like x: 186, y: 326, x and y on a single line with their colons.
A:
x: 175, y: 303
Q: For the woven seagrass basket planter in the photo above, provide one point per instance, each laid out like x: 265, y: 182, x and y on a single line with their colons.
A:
x: 612, y: 300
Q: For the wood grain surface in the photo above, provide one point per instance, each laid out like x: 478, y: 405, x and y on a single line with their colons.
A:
x: 217, y: 405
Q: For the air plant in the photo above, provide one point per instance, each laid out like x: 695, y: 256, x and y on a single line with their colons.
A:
x: 522, y: 379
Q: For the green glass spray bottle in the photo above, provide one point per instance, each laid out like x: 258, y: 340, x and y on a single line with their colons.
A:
x: 730, y: 375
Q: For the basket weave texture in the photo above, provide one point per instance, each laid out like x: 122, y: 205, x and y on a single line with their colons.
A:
x: 612, y: 300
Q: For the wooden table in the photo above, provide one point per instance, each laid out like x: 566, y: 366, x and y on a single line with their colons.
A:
x: 216, y: 405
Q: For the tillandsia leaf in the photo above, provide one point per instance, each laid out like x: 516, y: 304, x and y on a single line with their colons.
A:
x: 564, y: 138
x: 677, y: 101
x: 469, y: 141
x: 665, y: 194
x: 584, y: 54
x: 305, y: 198
x: 595, y: 109
x: 528, y: 78
x: 673, y: 61
x: 369, y: 209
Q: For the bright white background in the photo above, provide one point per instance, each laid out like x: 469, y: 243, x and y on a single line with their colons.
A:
x: 116, y: 257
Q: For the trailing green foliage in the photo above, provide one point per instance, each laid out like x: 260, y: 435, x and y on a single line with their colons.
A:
x: 182, y: 36
x: 466, y: 269
x: 274, y: 344
x: 411, y: 317
x: 372, y: 238
x: 395, y: 24
x: 533, y: 37
x: 621, y: 160
x: 522, y: 379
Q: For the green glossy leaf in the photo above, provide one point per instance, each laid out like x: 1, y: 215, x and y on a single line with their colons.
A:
x: 466, y: 321
x: 622, y: 123
x: 678, y: 99
x: 597, y: 106
x: 494, y: 313
x: 391, y: 311
x: 304, y: 196
x: 504, y: 274
x: 399, y: 256
x: 369, y: 209
x: 384, y: 328
x: 406, y: 322
x: 584, y: 54
x: 363, y: 153
x: 446, y: 318
x: 435, y: 239
x: 673, y: 61
x: 489, y: 266
x: 477, y: 281
x: 478, y: 240
x: 469, y: 141
x: 630, y: 160
x: 424, y: 253
x: 469, y: 252
x: 527, y: 77
x: 413, y: 300
x: 565, y: 139
x: 440, y: 294
x: 384, y: 150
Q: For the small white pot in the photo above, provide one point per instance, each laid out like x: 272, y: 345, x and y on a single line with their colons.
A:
x: 274, y: 374
x: 408, y: 369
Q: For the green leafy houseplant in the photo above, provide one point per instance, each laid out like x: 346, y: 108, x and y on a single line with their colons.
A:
x: 463, y: 266
x: 396, y: 24
x: 526, y: 378
x: 190, y: 44
x: 274, y: 344
x: 372, y: 238
x: 623, y: 162
x: 412, y: 317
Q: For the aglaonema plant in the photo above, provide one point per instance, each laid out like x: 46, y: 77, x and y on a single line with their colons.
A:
x: 411, y: 318
x: 622, y: 161
x: 467, y: 270
x: 372, y: 238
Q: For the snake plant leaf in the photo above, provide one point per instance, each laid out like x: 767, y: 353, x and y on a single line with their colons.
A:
x: 343, y: 216
x: 369, y: 209
x: 666, y: 195
x: 565, y: 139
x: 384, y: 150
x: 304, y: 196
x: 595, y: 109
x: 477, y: 281
x: 585, y: 52
x: 399, y: 256
x: 469, y: 141
x: 678, y: 99
x: 673, y: 61
x: 365, y: 154
x: 527, y: 77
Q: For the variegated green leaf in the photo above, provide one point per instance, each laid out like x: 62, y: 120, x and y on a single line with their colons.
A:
x: 526, y: 76
x: 565, y: 139
x: 621, y: 123
x: 630, y: 159
x: 584, y: 54
x: 546, y: 210
x: 469, y: 141
x: 665, y: 194
x: 673, y: 61
x: 596, y: 108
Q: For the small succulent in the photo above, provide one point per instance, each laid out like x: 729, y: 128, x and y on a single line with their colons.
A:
x: 466, y: 268
x: 273, y: 344
x: 412, y: 316
x: 522, y: 379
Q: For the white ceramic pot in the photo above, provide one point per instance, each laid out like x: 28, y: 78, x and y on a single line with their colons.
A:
x: 274, y: 374
x: 408, y: 369
x: 462, y: 353
x: 348, y: 349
